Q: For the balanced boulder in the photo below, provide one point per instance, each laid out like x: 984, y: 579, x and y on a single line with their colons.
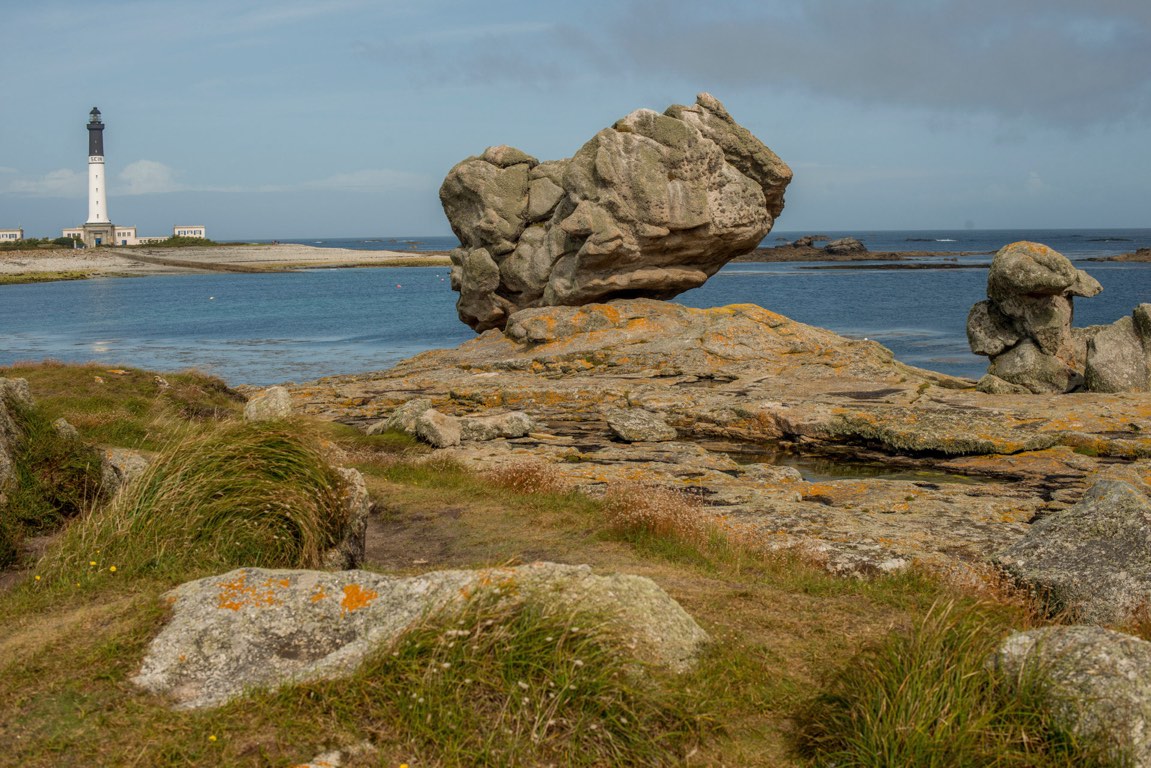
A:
x: 651, y: 207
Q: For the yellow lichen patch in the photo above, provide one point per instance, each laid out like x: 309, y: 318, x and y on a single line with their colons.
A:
x: 237, y: 593
x: 356, y: 597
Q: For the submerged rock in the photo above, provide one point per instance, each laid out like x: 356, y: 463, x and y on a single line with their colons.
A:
x: 652, y: 206
x: 267, y: 628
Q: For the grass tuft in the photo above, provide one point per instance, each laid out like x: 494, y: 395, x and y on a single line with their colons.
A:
x: 510, y: 683
x: 56, y: 476
x: 927, y: 697
x: 243, y: 495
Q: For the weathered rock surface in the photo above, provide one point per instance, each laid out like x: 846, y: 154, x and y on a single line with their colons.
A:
x: 403, y: 419
x: 1025, y: 327
x: 495, y: 426
x: 12, y: 392
x: 437, y: 429
x: 745, y: 382
x: 635, y: 425
x: 652, y: 206
x: 272, y: 404
x: 845, y: 245
x: 266, y: 628
x: 120, y: 466
x: 1092, y: 559
x: 349, y: 551
x: 1097, y: 684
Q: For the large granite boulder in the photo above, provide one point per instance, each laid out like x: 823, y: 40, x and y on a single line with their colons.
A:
x: 266, y: 628
x: 1092, y: 559
x: 652, y: 206
x: 272, y: 404
x: 1026, y: 328
x: 1096, y: 683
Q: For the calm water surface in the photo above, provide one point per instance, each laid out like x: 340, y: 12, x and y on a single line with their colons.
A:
x: 264, y: 329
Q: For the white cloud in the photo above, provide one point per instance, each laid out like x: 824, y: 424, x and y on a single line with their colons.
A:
x: 64, y: 182
x: 366, y: 179
x: 147, y: 177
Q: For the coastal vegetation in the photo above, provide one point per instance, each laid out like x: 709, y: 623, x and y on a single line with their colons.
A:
x: 806, y: 668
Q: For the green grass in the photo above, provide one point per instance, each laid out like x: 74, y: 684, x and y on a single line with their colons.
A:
x: 509, y: 683
x: 242, y: 495
x: 42, y: 277
x: 126, y: 407
x: 55, y: 478
x: 927, y: 697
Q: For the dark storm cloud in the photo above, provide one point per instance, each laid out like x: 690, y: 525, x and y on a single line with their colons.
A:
x: 1071, y: 63
x: 1066, y: 63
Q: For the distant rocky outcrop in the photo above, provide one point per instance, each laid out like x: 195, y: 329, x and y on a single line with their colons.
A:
x: 1025, y: 327
x: 652, y: 206
x: 266, y: 628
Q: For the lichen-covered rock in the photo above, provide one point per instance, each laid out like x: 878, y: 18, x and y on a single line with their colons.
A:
x: 120, y: 466
x: 266, y: 628
x: 652, y: 206
x: 636, y: 425
x: 1095, y: 682
x: 272, y: 404
x: 494, y: 426
x: 349, y: 551
x: 1092, y: 559
x: 403, y: 419
x: 438, y: 429
x: 1119, y: 355
x: 1026, y: 328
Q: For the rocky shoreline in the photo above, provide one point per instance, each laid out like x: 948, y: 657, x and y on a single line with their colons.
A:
x: 132, y: 262
x: 733, y: 383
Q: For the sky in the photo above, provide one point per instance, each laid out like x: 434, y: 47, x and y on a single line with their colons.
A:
x: 339, y: 118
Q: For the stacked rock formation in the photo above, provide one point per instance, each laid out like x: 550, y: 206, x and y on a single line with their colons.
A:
x: 650, y: 207
x: 1025, y: 327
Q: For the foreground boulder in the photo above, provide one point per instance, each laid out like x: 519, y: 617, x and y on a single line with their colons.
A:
x: 1096, y: 683
x: 272, y: 404
x: 265, y: 628
x: 1025, y: 327
x: 652, y: 206
x: 13, y: 392
x: 1094, y: 558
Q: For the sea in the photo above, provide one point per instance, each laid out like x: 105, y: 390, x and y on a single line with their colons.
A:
x: 264, y: 329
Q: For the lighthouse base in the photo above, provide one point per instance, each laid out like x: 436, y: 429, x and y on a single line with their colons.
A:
x: 98, y: 234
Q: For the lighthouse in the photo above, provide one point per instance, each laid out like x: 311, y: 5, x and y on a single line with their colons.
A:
x: 97, y: 189
x: 99, y: 229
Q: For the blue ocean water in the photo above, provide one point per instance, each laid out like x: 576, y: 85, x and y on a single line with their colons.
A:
x: 268, y: 328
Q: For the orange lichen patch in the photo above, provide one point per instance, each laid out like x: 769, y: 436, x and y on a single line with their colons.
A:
x: 319, y: 595
x: 356, y: 597
x: 237, y: 593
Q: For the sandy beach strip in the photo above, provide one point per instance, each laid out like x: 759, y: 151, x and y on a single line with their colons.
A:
x: 117, y: 262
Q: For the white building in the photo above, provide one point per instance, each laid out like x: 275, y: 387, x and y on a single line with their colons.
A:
x: 192, y: 231
x: 11, y: 235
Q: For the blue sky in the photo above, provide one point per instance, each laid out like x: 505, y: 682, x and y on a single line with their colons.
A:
x: 291, y: 119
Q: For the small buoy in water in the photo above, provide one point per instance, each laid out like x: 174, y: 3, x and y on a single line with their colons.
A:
x: 399, y: 286
x: 211, y: 298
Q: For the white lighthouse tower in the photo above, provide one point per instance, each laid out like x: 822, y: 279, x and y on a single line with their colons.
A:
x: 97, y: 189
